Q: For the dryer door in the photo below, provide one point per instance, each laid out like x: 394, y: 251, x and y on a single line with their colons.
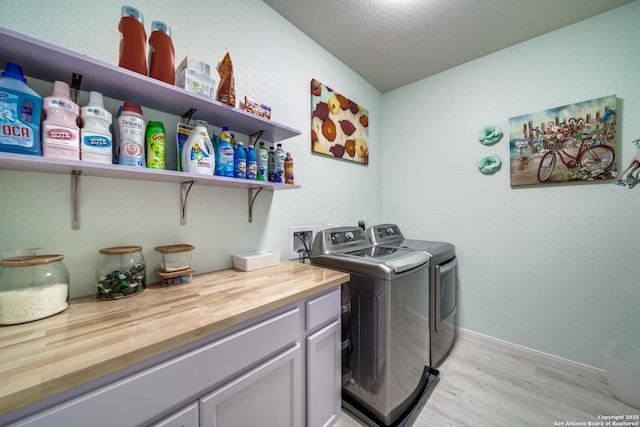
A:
x: 445, y: 294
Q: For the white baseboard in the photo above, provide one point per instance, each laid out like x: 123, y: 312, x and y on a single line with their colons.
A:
x: 534, y: 355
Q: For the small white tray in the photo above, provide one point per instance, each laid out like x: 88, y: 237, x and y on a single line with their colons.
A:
x: 255, y: 260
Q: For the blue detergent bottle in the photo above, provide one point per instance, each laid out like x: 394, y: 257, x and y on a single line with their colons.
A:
x: 240, y: 162
x: 20, y: 113
x: 225, y: 155
x: 252, y: 163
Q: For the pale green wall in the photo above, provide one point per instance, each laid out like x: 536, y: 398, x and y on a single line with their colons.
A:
x: 556, y: 268
x: 273, y: 63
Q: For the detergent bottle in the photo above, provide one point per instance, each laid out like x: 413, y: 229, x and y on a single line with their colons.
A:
x: 161, y: 53
x: 252, y: 163
x: 20, y: 111
x: 96, y: 141
x: 60, y: 130
x: 288, y: 169
x: 197, y: 153
x: 271, y: 164
x: 240, y: 161
x: 279, y: 156
x: 225, y: 155
x: 133, y: 40
x: 263, y: 162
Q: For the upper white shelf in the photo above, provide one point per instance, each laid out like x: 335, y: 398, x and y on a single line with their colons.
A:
x: 48, y: 62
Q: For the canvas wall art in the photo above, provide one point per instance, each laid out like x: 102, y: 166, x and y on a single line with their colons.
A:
x: 571, y: 143
x: 339, y: 126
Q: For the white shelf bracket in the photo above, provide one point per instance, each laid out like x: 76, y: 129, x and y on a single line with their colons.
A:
x: 252, y: 199
x: 75, y: 199
x: 185, y: 187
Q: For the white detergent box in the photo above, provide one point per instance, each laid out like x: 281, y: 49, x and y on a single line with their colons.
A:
x: 189, y: 63
x: 255, y: 260
x: 197, y: 83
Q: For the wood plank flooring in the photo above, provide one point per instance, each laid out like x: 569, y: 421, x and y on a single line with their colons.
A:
x: 484, y: 386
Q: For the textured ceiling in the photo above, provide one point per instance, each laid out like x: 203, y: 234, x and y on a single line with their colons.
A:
x: 391, y: 43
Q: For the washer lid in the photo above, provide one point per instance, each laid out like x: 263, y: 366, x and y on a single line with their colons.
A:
x: 397, y: 259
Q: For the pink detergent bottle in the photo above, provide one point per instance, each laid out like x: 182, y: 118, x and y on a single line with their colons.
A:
x: 60, y: 131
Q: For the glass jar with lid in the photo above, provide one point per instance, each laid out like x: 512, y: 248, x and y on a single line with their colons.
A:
x: 120, y: 272
x: 32, y: 288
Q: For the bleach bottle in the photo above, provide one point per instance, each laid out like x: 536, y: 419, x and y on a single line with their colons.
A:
x: 225, y: 155
x: 20, y: 111
x: 197, y: 153
x: 60, y: 130
x: 96, y: 141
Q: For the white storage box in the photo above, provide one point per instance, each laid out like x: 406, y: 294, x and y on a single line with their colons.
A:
x: 189, y: 63
x: 255, y: 260
x: 197, y: 83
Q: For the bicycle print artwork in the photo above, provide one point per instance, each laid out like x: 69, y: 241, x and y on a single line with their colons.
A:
x: 571, y: 143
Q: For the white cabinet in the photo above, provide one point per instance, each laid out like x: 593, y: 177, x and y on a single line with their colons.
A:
x: 323, y: 376
x: 323, y: 360
x: 277, y: 370
x: 267, y: 396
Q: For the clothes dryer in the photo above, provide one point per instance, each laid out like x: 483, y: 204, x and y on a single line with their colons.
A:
x: 442, y: 292
x: 386, y: 375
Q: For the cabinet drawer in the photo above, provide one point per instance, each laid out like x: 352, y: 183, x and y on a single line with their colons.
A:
x: 322, y: 309
x: 176, y: 381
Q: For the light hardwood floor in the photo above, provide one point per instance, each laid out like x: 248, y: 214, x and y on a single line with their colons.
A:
x: 484, y: 386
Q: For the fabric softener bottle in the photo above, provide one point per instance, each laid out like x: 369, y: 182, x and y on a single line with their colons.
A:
x: 225, y: 155
x: 20, y: 111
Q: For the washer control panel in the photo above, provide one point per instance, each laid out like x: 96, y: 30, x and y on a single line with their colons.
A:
x: 347, y: 236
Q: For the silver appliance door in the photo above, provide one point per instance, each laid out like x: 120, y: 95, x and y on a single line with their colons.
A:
x: 390, y: 342
x: 445, y: 294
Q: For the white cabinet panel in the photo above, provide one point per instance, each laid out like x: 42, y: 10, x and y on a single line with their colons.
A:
x: 187, y: 417
x: 322, y: 309
x: 323, y: 376
x: 267, y: 396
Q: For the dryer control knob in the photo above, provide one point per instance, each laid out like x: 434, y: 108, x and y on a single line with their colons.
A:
x: 348, y: 236
x: 390, y: 231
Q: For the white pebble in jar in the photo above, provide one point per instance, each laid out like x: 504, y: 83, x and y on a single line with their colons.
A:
x: 32, y: 288
x: 32, y: 303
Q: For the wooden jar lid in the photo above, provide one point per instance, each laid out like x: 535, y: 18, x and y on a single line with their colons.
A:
x: 29, y: 261
x: 120, y: 250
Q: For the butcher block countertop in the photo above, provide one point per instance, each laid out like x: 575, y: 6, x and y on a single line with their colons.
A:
x: 94, y: 338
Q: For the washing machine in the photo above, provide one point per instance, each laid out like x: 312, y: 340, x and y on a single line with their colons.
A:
x: 442, y: 292
x: 385, y: 325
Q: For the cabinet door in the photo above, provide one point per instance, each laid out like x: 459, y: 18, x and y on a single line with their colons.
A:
x: 267, y: 396
x: 186, y: 417
x: 323, y: 376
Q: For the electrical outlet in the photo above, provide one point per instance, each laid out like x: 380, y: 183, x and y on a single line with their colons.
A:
x: 300, y: 241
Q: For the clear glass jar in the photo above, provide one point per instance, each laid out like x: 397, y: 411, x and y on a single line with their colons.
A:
x: 120, y: 272
x: 32, y: 288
